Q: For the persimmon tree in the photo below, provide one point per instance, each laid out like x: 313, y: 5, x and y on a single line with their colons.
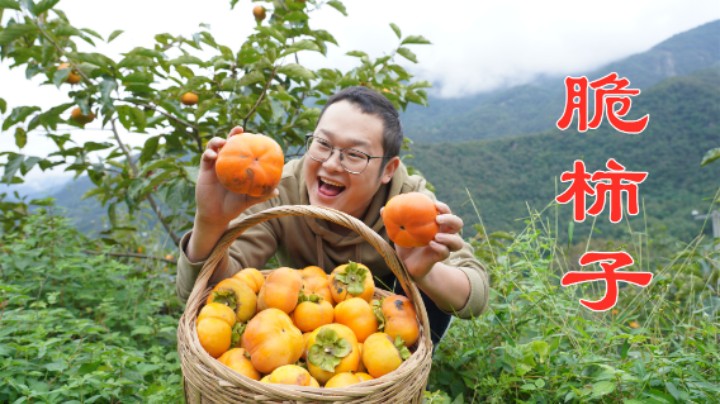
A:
x: 262, y: 85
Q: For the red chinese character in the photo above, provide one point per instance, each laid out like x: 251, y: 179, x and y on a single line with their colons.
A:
x: 609, y: 261
x: 616, y: 182
x: 609, y: 93
x: 579, y: 187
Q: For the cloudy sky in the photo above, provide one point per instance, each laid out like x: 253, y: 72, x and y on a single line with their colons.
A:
x: 478, y: 45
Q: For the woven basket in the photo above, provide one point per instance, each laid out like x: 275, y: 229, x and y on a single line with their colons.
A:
x: 206, y: 380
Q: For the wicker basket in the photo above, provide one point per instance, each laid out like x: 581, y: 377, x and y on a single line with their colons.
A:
x: 207, y: 380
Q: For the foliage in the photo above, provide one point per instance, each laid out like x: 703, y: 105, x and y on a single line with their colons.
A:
x: 262, y: 86
x: 538, y: 344
x: 77, y: 326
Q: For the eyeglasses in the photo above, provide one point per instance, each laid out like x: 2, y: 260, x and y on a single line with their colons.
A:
x: 351, y: 160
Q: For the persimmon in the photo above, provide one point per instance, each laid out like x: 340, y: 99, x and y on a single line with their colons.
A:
x: 410, y: 219
x: 400, y: 319
x: 251, y: 277
x: 259, y: 13
x: 215, y: 335
x: 77, y: 115
x: 250, y: 164
x: 315, y: 282
x: 347, y: 379
x: 189, y: 98
x: 312, y: 312
x: 281, y: 290
x: 272, y: 340
x: 73, y: 77
x: 382, y: 354
x: 218, y: 310
x: 351, y: 280
x: 332, y: 349
x: 357, y: 314
x: 237, y: 360
x: 236, y: 295
x: 291, y: 374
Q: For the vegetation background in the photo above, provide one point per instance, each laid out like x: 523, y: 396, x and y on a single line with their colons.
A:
x: 87, y: 307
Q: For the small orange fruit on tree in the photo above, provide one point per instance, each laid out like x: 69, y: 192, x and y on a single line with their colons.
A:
x: 250, y: 164
x: 259, y: 13
x: 410, y: 219
x: 73, y: 77
x: 77, y: 115
x: 189, y: 98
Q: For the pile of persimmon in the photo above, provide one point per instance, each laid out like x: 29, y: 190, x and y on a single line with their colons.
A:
x: 306, y: 327
x: 250, y: 164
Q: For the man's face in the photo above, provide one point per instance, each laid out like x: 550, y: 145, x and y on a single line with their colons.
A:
x: 344, y: 125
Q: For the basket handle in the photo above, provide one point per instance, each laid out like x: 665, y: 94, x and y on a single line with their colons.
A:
x: 331, y: 215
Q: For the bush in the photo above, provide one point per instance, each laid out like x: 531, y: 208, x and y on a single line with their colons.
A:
x: 538, y: 344
x: 77, y: 326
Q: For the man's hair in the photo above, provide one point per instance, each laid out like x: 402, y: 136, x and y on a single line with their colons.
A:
x: 373, y: 103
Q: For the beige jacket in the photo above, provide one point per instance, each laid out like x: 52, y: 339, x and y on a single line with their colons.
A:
x: 303, y: 241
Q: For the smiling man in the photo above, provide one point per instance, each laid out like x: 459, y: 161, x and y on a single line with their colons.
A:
x: 352, y: 165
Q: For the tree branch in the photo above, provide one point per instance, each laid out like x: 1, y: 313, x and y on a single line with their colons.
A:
x: 130, y: 255
x: 261, y: 97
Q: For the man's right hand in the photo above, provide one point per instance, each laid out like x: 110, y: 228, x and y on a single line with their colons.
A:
x: 215, y: 205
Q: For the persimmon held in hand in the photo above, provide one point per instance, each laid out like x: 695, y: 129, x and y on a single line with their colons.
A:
x: 410, y: 219
x: 250, y: 164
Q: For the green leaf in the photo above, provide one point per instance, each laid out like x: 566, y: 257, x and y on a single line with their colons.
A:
x: 337, y: 5
x: 357, y: 54
x: 13, y: 164
x: 603, y: 388
x: 396, y: 29
x: 186, y: 60
x: 11, y: 4
x: 302, y: 45
x: 114, y: 35
x: 18, y: 114
x: 20, y: 137
x: 149, y: 149
x: 407, y: 54
x: 296, y: 71
x: 3, y: 106
x: 14, y: 32
x: 710, y: 156
x: 415, y: 39
x: 233, y: 3
x: 93, y: 146
x: 95, y: 59
x: 43, y: 6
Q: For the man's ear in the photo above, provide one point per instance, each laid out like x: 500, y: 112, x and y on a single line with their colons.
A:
x: 389, y: 169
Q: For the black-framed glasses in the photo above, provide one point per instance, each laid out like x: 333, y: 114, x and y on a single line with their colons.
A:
x: 352, y: 160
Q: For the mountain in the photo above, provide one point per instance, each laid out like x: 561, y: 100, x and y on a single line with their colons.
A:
x: 504, y: 176
x: 535, y: 107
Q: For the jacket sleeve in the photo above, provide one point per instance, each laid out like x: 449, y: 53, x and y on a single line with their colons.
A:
x: 253, y: 249
x: 466, y: 261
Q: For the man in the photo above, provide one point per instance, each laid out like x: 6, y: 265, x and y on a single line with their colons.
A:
x: 351, y: 165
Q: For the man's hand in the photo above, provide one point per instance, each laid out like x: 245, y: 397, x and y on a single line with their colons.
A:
x: 419, y: 261
x: 216, y: 207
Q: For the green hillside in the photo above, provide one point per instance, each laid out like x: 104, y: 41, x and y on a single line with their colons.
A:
x: 534, y: 107
x: 502, y: 175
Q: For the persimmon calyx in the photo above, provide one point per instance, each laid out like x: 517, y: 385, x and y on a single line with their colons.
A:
x: 328, y: 350
x: 354, y: 278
